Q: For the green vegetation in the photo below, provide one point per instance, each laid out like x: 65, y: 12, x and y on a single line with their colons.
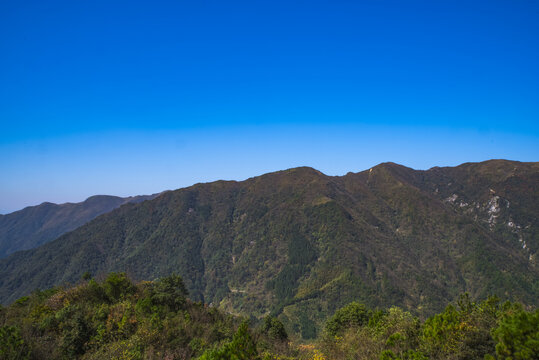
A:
x: 274, y: 328
x: 298, y: 245
x: 469, y: 330
x: 518, y: 334
x: 36, y: 225
x: 353, y: 315
x: 241, y: 347
x: 12, y: 346
x: 117, y: 319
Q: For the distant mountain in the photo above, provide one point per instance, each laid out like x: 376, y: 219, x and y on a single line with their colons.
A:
x: 300, y: 244
x: 35, y: 225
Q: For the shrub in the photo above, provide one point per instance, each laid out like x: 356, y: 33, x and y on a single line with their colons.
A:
x: 274, y: 328
x: 352, y: 315
x: 117, y: 286
x: 12, y: 346
x: 242, y: 347
x: 518, y: 335
x: 170, y: 291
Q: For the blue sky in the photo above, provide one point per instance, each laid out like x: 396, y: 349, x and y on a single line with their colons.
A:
x: 126, y: 98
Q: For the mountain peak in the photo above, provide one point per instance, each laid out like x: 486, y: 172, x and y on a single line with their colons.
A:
x: 302, y: 243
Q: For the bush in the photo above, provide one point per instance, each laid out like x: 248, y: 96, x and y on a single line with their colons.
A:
x: 12, y: 346
x: 76, y: 334
x: 518, y: 335
x: 352, y: 315
x: 274, y: 328
x: 117, y: 286
x: 242, y: 347
x: 170, y: 291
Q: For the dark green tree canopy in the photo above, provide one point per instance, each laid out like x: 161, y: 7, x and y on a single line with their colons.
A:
x: 350, y: 316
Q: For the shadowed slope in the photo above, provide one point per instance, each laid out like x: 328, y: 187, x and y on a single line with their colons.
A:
x: 35, y: 225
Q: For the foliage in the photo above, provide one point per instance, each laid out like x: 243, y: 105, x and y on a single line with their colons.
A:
x: 518, y: 335
x: 86, y: 275
x: 12, y: 346
x: 274, y: 328
x: 465, y: 330
x: 117, y: 319
x: 169, y: 291
x: 352, y: 315
x: 461, y: 332
x: 242, y: 347
x: 117, y: 286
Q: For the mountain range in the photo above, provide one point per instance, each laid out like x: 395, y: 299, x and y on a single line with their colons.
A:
x: 299, y: 244
x: 35, y: 225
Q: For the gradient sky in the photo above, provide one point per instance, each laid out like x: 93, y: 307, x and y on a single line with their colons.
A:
x: 129, y: 97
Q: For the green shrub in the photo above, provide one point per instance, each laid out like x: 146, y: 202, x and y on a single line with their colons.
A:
x: 274, y: 328
x: 117, y: 286
x: 242, y: 347
x: 351, y: 315
x: 518, y: 335
x: 170, y: 292
x: 12, y: 346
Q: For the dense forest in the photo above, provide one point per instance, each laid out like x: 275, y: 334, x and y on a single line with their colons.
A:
x: 299, y: 245
x: 114, y: 318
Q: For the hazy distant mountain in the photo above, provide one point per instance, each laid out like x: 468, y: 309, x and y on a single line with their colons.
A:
x: 301, y: 244
x: 36, y: 225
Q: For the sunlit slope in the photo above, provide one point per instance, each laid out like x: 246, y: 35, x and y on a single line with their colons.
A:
x: 300, y: 244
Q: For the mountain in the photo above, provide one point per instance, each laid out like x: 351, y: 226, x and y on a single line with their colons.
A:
x: 300, y: 244
x: 35, y: 225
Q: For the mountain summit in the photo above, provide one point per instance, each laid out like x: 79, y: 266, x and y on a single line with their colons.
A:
x: 300, y: 244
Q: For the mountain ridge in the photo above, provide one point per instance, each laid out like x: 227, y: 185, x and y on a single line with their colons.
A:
x: 299, y: 244
x: 35, y: 225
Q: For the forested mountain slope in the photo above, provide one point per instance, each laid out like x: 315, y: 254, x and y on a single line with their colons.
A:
x: 35, y: 225
x: 300, y: 244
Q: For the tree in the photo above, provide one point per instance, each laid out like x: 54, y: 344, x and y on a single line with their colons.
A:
x: 274, y: 328
x: 518, y: 335
x: 242, y: 347
x: 170, y: 291
x: 12, y: 346
x: 86, y: 276
x: 352, y: 315
x: 461, y: 332
x: 117, y: 286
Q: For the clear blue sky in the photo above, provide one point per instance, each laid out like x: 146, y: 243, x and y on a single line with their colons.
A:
x: 135, y: 97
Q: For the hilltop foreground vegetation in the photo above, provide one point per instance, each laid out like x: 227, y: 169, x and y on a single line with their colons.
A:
x: 117, y: 319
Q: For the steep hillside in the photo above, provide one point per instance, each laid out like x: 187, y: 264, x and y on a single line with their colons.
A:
x: 35, y: 225
x: 300, y: 244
